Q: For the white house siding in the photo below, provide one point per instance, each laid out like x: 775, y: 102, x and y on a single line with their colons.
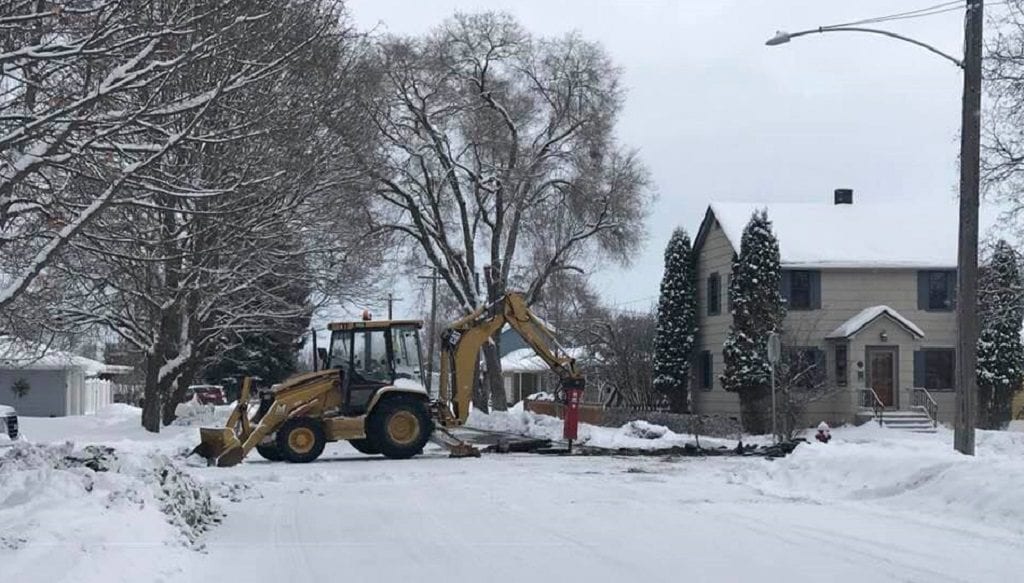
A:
x: 844, y: 293
x: 47, y: 396
x: 715, y: 256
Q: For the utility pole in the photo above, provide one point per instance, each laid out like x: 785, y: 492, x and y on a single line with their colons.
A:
x: 967, y: 251
x: 433, y: 277
x: 391, y: 299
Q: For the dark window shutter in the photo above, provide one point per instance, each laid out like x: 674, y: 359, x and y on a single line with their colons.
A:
x: 919, y: 375
x: 787, y: 282
x: 922, y: 290
x: 951, y: 286
x: 815, y: 290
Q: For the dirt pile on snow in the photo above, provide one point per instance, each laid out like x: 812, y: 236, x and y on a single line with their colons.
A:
x: 632, y: 435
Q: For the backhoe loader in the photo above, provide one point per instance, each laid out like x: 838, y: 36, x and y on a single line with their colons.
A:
x: 369, y: 391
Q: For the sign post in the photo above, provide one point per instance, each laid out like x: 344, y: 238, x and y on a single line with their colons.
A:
x: 774, y: 353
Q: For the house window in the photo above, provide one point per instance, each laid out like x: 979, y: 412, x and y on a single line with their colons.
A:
x: 714, y: 294
x: 801, y: 289
x: 937, y: 369
x: 842, y: 359
x: 936, y: 290
x: 805, y: 367
x: 707, y: 370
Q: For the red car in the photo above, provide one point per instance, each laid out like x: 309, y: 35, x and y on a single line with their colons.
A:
x: 207, y: 394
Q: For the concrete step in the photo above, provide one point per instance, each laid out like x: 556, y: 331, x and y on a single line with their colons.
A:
x: 908, y: 420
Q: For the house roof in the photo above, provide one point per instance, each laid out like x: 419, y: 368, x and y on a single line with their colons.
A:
x: 525, y: 360
x: 17, y: 353
x: 813, y: 235
x: 869, y: 315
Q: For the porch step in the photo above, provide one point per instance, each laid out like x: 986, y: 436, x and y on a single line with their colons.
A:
x: 908, y: 420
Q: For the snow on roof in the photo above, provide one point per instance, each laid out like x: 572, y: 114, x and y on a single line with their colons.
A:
x: 17, y: 353
x: 525, y: 360
x: 868, y: 315
x: 879, y: 235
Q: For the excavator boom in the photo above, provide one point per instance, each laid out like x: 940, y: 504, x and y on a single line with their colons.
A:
x: 462, y: 340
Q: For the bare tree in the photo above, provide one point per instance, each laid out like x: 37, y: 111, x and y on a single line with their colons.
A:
x: 801, y: 378
x: 250, y: 222
x: 620, y: 356
x: 499, y: 162
x: 85, y: 114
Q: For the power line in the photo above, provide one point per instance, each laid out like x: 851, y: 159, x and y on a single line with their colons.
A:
x: 920, y: 12
x: 943, y: 8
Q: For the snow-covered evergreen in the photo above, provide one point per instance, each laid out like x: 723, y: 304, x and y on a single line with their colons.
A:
x: 677, y: 322
x: 757, y: 310
x: 1000, y: 351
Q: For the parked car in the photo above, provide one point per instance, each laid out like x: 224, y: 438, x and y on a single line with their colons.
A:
x: 8, y: 424
x: 206, y: 394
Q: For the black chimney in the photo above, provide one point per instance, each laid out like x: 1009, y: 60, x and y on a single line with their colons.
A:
x: 844, y: 196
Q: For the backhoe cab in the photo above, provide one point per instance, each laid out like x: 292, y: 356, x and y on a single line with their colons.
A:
x: 369, y: 392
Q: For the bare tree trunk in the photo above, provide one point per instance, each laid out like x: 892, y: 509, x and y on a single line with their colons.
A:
x: 184, y: 380
x: 492, y: 380
x: 755, y: 410
x: 481, y: 398
x: 151, y: 396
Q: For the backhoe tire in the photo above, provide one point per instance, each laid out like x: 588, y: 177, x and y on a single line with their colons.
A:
x: 400, y: 426
x: 301, y: 440
x: 269, y: 452
x: 365, y: 446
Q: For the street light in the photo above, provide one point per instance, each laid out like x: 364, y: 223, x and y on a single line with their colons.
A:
x: 967, y: 246
x: 782, y: 37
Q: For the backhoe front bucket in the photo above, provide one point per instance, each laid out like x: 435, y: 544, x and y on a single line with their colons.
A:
x: 219, y: 446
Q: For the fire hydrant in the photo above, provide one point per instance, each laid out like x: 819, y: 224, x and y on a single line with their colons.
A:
x: 573, y: 396
x: 824, y: 433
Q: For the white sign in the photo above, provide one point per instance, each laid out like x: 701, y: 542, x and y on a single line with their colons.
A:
x: 774, y: 348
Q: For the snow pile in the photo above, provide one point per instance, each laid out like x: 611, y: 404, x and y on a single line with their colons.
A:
x: 195, y: 414
x: 119, y: 426
x: 51, y: 493
x: 905, y: 471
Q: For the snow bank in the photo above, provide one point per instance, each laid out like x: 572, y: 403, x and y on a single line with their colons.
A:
x: 119, y: 426
x: 905, y: 472
x: 38, y: 481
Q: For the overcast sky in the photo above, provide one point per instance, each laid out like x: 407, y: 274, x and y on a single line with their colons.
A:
x: 717, y: 115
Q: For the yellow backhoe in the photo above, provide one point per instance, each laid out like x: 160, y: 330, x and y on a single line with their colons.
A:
x: 369, y: 391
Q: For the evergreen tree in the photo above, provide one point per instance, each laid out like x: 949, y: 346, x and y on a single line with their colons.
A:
x: 757, y: 310
x: 1000, y: 351
x: 677, y: 322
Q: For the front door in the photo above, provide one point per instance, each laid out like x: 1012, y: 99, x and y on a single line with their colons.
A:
x: 882, y: 373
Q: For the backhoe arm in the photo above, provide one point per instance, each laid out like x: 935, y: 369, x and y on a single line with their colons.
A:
x: 462, y: 340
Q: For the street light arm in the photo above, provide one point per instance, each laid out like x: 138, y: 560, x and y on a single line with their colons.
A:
x: 783, y: 37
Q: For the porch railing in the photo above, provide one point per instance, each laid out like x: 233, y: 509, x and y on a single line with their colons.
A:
x: 872, y: 401
x: 922, y: 399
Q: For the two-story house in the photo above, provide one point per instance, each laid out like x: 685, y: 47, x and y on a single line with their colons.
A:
x: 870, y: 292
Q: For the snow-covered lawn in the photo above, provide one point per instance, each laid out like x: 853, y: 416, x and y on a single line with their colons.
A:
x: 873, y: 505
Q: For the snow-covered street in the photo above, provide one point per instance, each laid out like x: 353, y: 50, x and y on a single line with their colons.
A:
x: 873, y: 505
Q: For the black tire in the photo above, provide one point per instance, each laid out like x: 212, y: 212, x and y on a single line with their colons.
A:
x: 365, y: 446
x: 301, y: 440
x: 400, y: 426
x: 269, y: 452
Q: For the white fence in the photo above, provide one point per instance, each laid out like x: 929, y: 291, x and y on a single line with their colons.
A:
x: 89, y: 396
